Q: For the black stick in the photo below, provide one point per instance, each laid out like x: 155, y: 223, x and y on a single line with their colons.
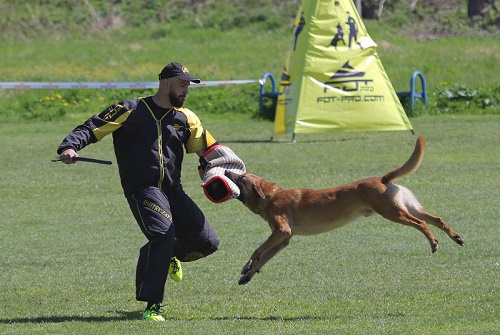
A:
x: 85, y: 159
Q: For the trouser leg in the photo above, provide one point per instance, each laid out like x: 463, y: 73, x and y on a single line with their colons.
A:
x: 152, y: 268
x: 152, y: 212
x: 195, y: 238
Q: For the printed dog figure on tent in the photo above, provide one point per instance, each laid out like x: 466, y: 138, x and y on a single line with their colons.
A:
x: 339, y: 36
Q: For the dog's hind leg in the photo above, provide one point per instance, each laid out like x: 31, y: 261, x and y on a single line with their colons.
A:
x: 404, y: 217
x: 402, y: 206
x: 437, y: 222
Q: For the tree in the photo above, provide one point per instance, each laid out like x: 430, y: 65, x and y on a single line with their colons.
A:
x: 371, y: 9
x: 480, y: 7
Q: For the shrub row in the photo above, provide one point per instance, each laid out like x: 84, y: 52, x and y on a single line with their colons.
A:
x: 240, y: 101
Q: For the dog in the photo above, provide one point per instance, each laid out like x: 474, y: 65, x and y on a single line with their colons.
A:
x: 309, y: 212
x: 339, y: 36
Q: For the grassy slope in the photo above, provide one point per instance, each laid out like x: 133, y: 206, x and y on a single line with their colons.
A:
x: 450, y: 61
x: 236, y: 54
x: 214, y: 55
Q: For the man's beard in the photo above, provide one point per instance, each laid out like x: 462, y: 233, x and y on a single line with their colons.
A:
x: 175, y: 100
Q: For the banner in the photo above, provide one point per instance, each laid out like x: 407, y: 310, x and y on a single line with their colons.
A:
x: 103, y: 85
x: 333, y: 79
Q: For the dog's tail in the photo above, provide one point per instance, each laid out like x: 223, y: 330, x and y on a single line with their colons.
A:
x: 408, y: 167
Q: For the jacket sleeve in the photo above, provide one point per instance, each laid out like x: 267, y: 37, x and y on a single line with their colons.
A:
x: 79, y: 138
x: 98, y: 126
x: 200, y: 139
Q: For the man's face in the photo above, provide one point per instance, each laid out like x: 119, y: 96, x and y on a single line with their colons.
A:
x: 177, y: 92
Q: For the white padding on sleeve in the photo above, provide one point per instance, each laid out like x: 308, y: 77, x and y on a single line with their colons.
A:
x: 217, y: 187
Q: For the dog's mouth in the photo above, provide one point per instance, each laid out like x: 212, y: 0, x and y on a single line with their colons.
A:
x: 236, y: 179
x: 232, y: 176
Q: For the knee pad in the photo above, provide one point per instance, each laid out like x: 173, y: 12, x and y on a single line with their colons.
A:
x: 200, y: 251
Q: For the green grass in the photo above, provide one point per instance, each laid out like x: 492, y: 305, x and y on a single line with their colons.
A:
x: 237, y: 54
x: 133, y: 55
x: 69, y: 243
x: 445, y: 61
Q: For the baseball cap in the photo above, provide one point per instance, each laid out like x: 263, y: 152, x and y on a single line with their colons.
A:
x: 177, y: 70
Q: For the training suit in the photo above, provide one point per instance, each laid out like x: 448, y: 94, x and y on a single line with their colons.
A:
x: 149, y: 143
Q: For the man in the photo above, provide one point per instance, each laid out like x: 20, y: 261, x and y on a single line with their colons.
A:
x: 149, y: 135
x: 353, y: 31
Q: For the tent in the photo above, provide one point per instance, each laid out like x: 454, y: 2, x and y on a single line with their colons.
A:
x: 333, y: 79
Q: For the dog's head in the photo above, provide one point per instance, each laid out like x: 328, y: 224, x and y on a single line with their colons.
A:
x: 253, y: 189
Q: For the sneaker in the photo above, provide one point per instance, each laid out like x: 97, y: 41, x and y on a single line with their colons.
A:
x: 175, y: 270
x: 152, y: 313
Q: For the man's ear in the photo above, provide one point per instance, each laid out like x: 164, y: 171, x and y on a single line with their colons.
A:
x: 164, y: 83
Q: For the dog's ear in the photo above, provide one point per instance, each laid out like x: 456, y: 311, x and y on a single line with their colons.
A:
x: 259, y: 191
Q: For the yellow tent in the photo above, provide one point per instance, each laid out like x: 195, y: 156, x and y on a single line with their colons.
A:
x: 333, y: 79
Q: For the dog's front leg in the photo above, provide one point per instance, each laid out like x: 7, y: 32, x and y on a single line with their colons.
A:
x: 267, y: 255
x: 263, y: 253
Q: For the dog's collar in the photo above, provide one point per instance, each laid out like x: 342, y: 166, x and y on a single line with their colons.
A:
x: 265, y: 202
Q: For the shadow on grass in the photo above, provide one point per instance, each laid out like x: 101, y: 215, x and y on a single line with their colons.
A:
x: 247, y: 141
x: 124, y: 316
x: 271, y: 318
x: 332, y: 137
x: 137, y: 316
x: 302, y: 318
x: 74, y: 318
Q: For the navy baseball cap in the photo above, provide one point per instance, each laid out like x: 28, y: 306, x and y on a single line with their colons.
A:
x: 177, y: 70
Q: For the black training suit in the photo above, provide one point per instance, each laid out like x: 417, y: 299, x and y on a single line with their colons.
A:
x: 149, y: 143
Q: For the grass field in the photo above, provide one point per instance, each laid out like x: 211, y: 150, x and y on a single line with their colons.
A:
x: 462, y: 66
x: 239, y: 54
x: 69, y: 244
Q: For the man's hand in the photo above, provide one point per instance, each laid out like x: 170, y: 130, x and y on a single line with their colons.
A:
x: 67, y: 156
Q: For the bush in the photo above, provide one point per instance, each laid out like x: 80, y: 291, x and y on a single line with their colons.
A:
x: 459, y: 99
x: 79, y: 104
x: 456, y: 99
x: 225, y: 100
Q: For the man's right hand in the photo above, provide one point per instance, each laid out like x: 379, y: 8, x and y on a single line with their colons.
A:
x: 67, y: 156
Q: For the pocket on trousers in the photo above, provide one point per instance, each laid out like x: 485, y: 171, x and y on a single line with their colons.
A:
x: 151, y: 210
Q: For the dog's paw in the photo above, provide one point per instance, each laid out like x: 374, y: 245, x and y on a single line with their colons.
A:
x: 434, y: 246
x: 243, y: 280
x: 458, y: 239
x: 246, y: 278
x: 247, y: 267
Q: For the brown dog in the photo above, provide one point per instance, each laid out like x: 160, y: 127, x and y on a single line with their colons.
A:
x: 309, y: 212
